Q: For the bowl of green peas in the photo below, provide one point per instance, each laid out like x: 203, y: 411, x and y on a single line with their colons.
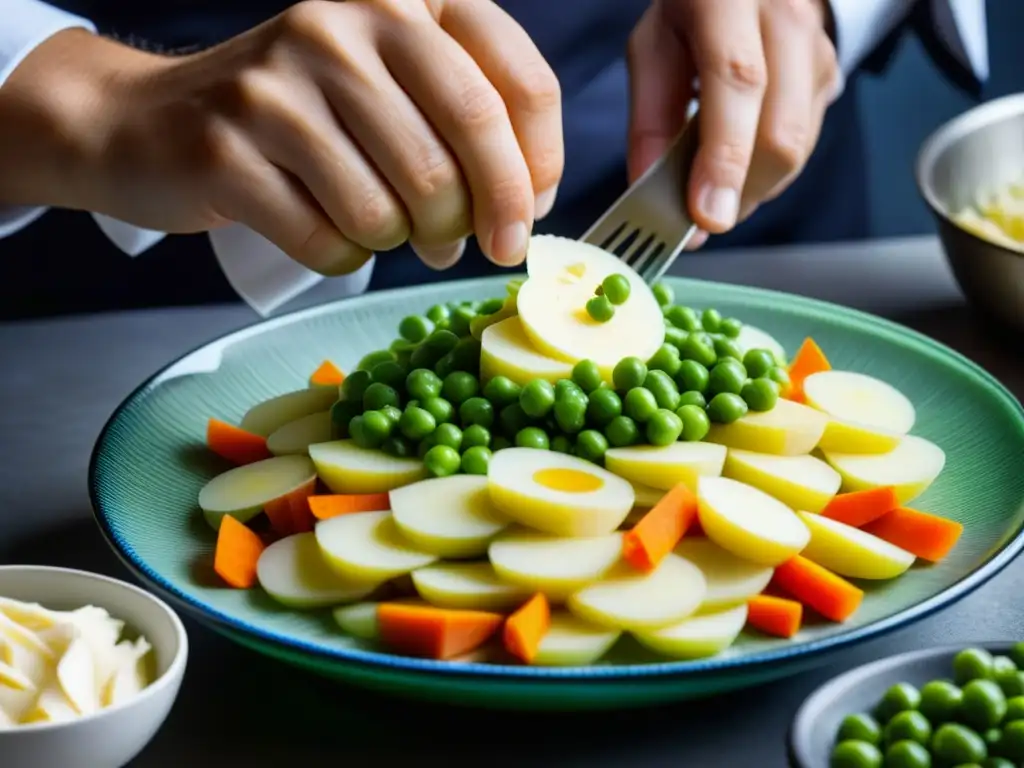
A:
x: 948, y: 707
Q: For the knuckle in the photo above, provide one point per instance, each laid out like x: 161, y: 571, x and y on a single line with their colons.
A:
x: 433, y: 173
x: 479, y: 106
x: 216, y: 149
x: 741, y: 69
x: 510, y: 198
x: 305, y: 20
x: 730, y: 159
x: 536, y: 88
x: 546, y: 166
x: 787, y: 145
x: 827, y: 59
x: 377, y: 222
x: 801, y: 11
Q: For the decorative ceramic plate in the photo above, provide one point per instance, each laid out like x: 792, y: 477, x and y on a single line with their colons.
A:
x: 149, y: 464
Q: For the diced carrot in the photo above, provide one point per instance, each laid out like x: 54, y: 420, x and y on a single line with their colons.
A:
x: 335, y: 504
x: 809, y: 359
x: 434, y: 633
x: 290, y: 513
x: 234, y: 443
x: 859, y: 508
x: 660, y: 529
x: 830, y: 595
x: 327, y: 375
x: 774, y: 615
x: 237, y: 552
x: 927, y: 536
x: 525, y: 628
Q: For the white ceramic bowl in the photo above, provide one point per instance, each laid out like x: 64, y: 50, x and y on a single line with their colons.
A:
x: 112, y: 737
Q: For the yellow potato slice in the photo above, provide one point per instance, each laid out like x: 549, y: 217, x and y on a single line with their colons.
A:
x: 730, y: 580
x: 799, y: 482
x: 664, y: 467
x: 292, y: 570
x: 243, y: 492
x: 706, y: 634
x: 295, y: 437
x: 267, y: 417
x: 572, y: 642
x: 368, y: 547
x: 867, y: 415
x: 505, y: 350
x: 911, y: 468
x: 470, y: 586
x: 344, y: 467
x: 788, y: 429
x: 852, y: 552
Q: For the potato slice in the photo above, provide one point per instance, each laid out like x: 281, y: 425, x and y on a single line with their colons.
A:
x: 267, y: 417
x: 293, y: 572
x: 506, y: 351
x: 556, y: 493
x: 730, y: 580
x: 628, y: 599
x: 448, y: 516
x: 852, y: 552
x: 344, y: 467
x: 788, y: 429
x: 799, y: 482
x: 470, y: 586
x: 754, y: 338
x: 243, y: 492
x: 911, y: 468
x: 296, y: 436
x: 367, y: 546
x: 572, y: 642
x: 749, y: 523
x: 664, y: 467
x: 705, y: 634
x: 867, y: 415
x: 554, y: 565
x: 645, y: 496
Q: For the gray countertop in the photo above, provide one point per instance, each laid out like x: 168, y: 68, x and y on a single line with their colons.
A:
x: 62, y: 378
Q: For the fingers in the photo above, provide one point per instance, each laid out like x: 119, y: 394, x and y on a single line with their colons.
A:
x: 511, y: 62
x: 660, y: 77
x: 725, y: 42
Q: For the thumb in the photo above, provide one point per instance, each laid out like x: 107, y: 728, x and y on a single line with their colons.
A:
x: 660, y: 85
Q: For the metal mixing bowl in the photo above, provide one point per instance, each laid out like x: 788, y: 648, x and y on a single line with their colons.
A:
x: 981, y: 150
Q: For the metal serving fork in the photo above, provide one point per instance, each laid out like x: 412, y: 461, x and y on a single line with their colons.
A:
x: 649, y: 225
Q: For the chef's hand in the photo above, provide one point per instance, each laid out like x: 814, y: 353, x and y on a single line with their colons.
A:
x: 767, y: 72
x: 335, y: 129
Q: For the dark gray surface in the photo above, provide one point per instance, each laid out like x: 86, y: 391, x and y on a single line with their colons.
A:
x: 61, y: 380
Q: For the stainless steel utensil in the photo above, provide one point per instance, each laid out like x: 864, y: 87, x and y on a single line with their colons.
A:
x: 982, y: 149
x: 650, y: 225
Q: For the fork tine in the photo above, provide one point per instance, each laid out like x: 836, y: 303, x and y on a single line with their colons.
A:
x: 640, y: 263
x: 634, y: 254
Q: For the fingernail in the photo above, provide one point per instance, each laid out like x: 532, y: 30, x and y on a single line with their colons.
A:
x: 508, y: 245
x: 719, y: 204
x: 545, y: 202
x: 440, y: 258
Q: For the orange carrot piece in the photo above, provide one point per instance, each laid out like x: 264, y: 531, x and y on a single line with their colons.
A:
x: 234, y: 443
x: 830, y: 595
x: 776, y: 616
x: 327, y: 375
x: 238, y: 550
x: 927, y: 536
x: 525, y: 628
x: 434, y: 633
x: 290, y: 513
x: 332, y: 505
x: 809, y: 359
x: 859, y: 508
x: 658, y: 532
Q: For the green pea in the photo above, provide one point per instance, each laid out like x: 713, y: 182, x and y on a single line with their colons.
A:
x: 860, y: 727
x: 415, y: 328
x: 587, y: 376
x: 731, y: 327
x: 342, y: 412
x: 901, y: 697
x: 692, y: 398
x: 692, y: 377
x: 984, y: 704
x: 376, y: 428
x: 760, y: 394
x: 700, y: 348
x: 422, y: 383
x: 438, y: 314
x: 500, y: 443
x: 501, y: 391
x: 629, y: 372
x: 445, y: 365
x: 416, y: 423
x: 727, y: 376
x: 389, y: 372
x: 354, y: 386
x: 758, y: 362
x: 600, y: 309
x: 855, y: 754
x: 1017, y: 654
x: 907, y: 754
x: 476, y: 460
x: 972, y: 664
x: 513, y: 418
x: 695, y: 421
x: 997, y: 762
x: 665, y: 359
x: 477, y: 410
x: 393, y: 413
x: 675, y: 336
x: 490, y: 306
x: 663, y: 388
x: 439, y: 408
x: 448, y: 434
x: 910, y: 725
x: 379, y: 395
x: 663, y: 428
x: 372, y: 359
x: 954, y: 744
x: 397, y: 446
x: 571, y: 413
x: 684, y: 318
x: 726, y: 348
x: 401, y: 346
x: 537, y: 398
x: 621, y: 432
x: 425, y: 445
x: 604, y: 405
x: 441, y: 341
x: 663, y: 294
x: 568, y: 388
x: 725, y: 408
x: 442, y: 461
x: 711, y: 320
x: 940, y: 701
x: 466, y: 356
x: 1014, y: 709
x: 1012, y: 745
x: 460, y: 320
x: 591, y: 445
x: 459, y: 386
x: 640, y: 404
x: 1007, y: 676
x: 474, y: 436
x: 780, y: 376
x: 993, y: 738
x: 532, y: 437
x: 616, y: 287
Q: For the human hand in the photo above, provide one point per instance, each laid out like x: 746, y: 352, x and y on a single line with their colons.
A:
x: 334, y: 130
x: 767, y: 72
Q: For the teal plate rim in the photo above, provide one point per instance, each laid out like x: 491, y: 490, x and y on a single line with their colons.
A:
x: 469, y: 670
